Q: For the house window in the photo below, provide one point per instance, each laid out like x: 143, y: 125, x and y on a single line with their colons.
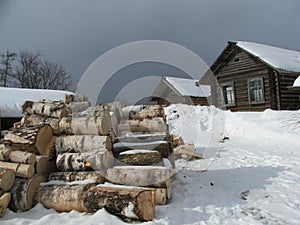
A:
x: 256, y: 90
x: 228, y: 92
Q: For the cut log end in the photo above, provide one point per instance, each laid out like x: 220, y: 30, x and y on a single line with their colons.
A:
x: 4, y: 201
x: 7, y: 179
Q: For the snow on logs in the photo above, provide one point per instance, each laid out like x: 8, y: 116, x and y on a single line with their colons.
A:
x: 132, y: 203
x: 34, y: 139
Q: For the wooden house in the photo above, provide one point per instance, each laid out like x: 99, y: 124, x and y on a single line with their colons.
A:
x: 255, y: 77
x: 172, y: 90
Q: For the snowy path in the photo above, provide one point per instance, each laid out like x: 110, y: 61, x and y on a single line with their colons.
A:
x: 261, y: 159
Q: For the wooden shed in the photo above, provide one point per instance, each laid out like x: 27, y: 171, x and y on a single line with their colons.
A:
x: 255, y: 77
x: 172, y: 90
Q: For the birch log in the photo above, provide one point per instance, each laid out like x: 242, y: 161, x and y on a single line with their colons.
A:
x: 64, y: 198
x: 4, y: 201
x: 96, y: 160
x: 98, y: 176
x: 23, y: 193
x: 55, y: 109
x: 142, y: 138
x: 35, y: 120
x: 82, y: 143
x: 68, y: 98
x: 131, y: 203
x: 7, y: 179
x: 143, y: 112
x: 34, y: 139
x: 21, y: 170
x: 9, y: 155
x: 140, y: 158
x: 85, y: 125
x: 163, y: 147
x: 143, y: 126
x: 77, y: 107
x: 138, y: 175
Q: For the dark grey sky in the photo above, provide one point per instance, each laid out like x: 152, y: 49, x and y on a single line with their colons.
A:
x: 76, y: 32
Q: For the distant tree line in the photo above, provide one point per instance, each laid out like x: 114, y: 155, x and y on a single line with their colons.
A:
x: 26, y: 69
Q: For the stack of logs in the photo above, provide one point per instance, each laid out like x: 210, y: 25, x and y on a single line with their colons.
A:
x: 104, y: 156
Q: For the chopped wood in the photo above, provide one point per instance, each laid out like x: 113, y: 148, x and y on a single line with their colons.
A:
x: 23, y: 193
x: 187, y: 152
x: 7, y: 179
x: 77, y: 107
x: 82, y: 143
x: 4, y: 201
x: 142, y: 138
x: 131, y: 203
x: 163, y: 147
x: 139, y: 175
x: 177, y: 141
x: 89, y: 125
x: 98, y: 176
x: 68, y: 98
x: 140, y: 158
x: 143, y: 112
x: 35, y: 120
x: 101, y: 159
x: 21, y: 170
x: 33, y: 139
x: 143, y: 126
x: 55, y: 109
x: 64, y: 198
x: 15, y: 156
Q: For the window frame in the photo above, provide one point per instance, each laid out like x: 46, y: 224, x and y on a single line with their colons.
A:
x: 225, y: 96
x: 250, y: 88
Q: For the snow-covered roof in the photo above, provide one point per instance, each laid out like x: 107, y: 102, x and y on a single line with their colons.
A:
x: 297, y: 82
x: 188, y: 87
x: 278, y: 58
x: 11, y: 99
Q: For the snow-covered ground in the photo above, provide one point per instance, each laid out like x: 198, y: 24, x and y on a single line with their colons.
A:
x: 252, y: 178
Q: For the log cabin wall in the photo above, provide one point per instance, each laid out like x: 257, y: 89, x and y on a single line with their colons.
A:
x: 289, y: 97
x: 237, y: 70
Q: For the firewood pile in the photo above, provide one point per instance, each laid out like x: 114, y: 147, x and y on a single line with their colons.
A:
x: 68, y: 155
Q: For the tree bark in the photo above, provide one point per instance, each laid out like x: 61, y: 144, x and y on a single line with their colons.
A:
x: 85, y: 125
x: 98, y: 176
x: 140, y: 158
x: 7, y: 179
x: 9, y: 155
x: 35, y: 120
x: 97, y: 160
x: 34, y: 139
x: 55, y: 109
x: 82, y: 143
x: 21, y: 170
x: 143, y: 126
x: 74, y: 98
x: 143, y: 112
x: 144, y: 176
x: 64, y: 198
x: 4, y: 201
x: 163, y: 147
x: 132, y: 203
x: 23, y: 193
x: 142, y: 138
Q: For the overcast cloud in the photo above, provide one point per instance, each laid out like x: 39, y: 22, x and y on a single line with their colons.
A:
x: 76, y: 32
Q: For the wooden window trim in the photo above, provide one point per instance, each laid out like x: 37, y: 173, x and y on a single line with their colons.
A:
x: 263, y: 91
x: 224, y: 94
